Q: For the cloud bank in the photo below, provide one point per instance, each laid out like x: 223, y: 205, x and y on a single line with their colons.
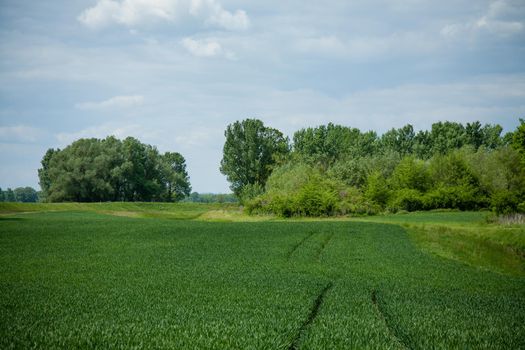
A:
x: 132, y: 13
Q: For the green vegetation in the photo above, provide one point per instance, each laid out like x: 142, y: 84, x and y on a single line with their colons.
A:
x: 130, y: 209
x: 19, y: 194
x: 211, y: 198
x: 468, y: 237
x: 77, y: 277
x: 93, y: 170
x: 338, y: 170
x: 249, y: 154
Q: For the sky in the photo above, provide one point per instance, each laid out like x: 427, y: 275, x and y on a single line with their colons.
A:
x: 175, y: 73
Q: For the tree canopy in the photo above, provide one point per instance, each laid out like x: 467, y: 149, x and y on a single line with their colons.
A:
x: 345, y: 170
x: 250, y: 152
x: 19, y: 194
x: 91, y: 170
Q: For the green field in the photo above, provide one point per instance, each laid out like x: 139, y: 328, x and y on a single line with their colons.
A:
x: 130, y: 276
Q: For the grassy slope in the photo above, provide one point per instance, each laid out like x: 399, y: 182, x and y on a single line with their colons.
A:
x: 71, y: 279
x: 130, y: 209
x: 466, y: 237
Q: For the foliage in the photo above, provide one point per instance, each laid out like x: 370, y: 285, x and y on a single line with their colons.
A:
x: 400, y: 140
x: 250, y: 191
x: 19, y: 194
x: 411, y: 173
x: 26, y: 194
x: 302, y: 190
x: 407, y: 199
x: 518, y: 139
x: 326, y: 144
x: 452, y: 166
x: 91, y: 170
x: 377, y: 189
x: 505, y: 202
x: 175, y: 176
x: 196, y: 197
x: 250, y: 152
x: 353, y: 172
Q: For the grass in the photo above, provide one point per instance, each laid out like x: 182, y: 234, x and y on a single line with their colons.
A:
x: 469, y: 237
x: 181, y: 211
x: 76, y: 277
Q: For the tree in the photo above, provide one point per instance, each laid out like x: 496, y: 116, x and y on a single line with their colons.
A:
x: 422, y: 145
x: 399, y: 140
x: 492, y: 136
x: 112, y: 170
x: 474, y: 134
x: 43, y: 173
x: 447, y: 136
x: 329, y: 143
x: 2, y: 197
x: 9, y: 195
x: 518, y: 139
x: 175, y: 176
x: 250, y: 152
x: 25, y: 194
x: 412, y: 174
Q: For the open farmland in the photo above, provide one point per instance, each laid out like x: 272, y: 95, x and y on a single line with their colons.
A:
x: 87, y: 279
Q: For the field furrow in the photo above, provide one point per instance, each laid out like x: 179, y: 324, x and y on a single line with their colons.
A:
x: 86, y: 280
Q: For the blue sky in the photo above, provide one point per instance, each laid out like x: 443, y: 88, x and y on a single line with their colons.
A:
x: 175, y: 73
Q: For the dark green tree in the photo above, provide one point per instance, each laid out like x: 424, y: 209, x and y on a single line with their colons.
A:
x: 447, y: 136
x: 250, y: 152
x: 112, y: 170
x: 176, y: 179
x: 518, y: 139
x: 422, y: 145
x: 43, y: 173
x: 9, y: 195
x: 492, y: 136
x: 474, y: 135
x: 326, y: 144
x: 399, y: 140
x: 26, y: 194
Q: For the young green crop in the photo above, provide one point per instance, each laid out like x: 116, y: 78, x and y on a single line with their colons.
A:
x: 86, y: 280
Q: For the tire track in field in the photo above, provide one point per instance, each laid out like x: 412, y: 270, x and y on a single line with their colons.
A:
x: 381, y: 315
x: 298, y: 244
x: 311, y: 316
x: 323, y: 246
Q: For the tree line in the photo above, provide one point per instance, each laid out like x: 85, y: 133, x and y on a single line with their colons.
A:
x: 93, y: 170
x: 19, y: 194
x: 333, y: 169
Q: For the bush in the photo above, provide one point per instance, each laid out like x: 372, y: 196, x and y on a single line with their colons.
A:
x: 406, y: 199
x: 316, y: 198
x: 454, y: 197
x: 377, y: 189
x: 249, y: 192
x: 505, y: 202
x: 352, y: 201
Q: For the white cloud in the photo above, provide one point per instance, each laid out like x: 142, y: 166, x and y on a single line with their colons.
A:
x: 135, y: 12
x: 503, y: 18
x: 205, y: 48
x: 20, y: 134
x: 114, y: 102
